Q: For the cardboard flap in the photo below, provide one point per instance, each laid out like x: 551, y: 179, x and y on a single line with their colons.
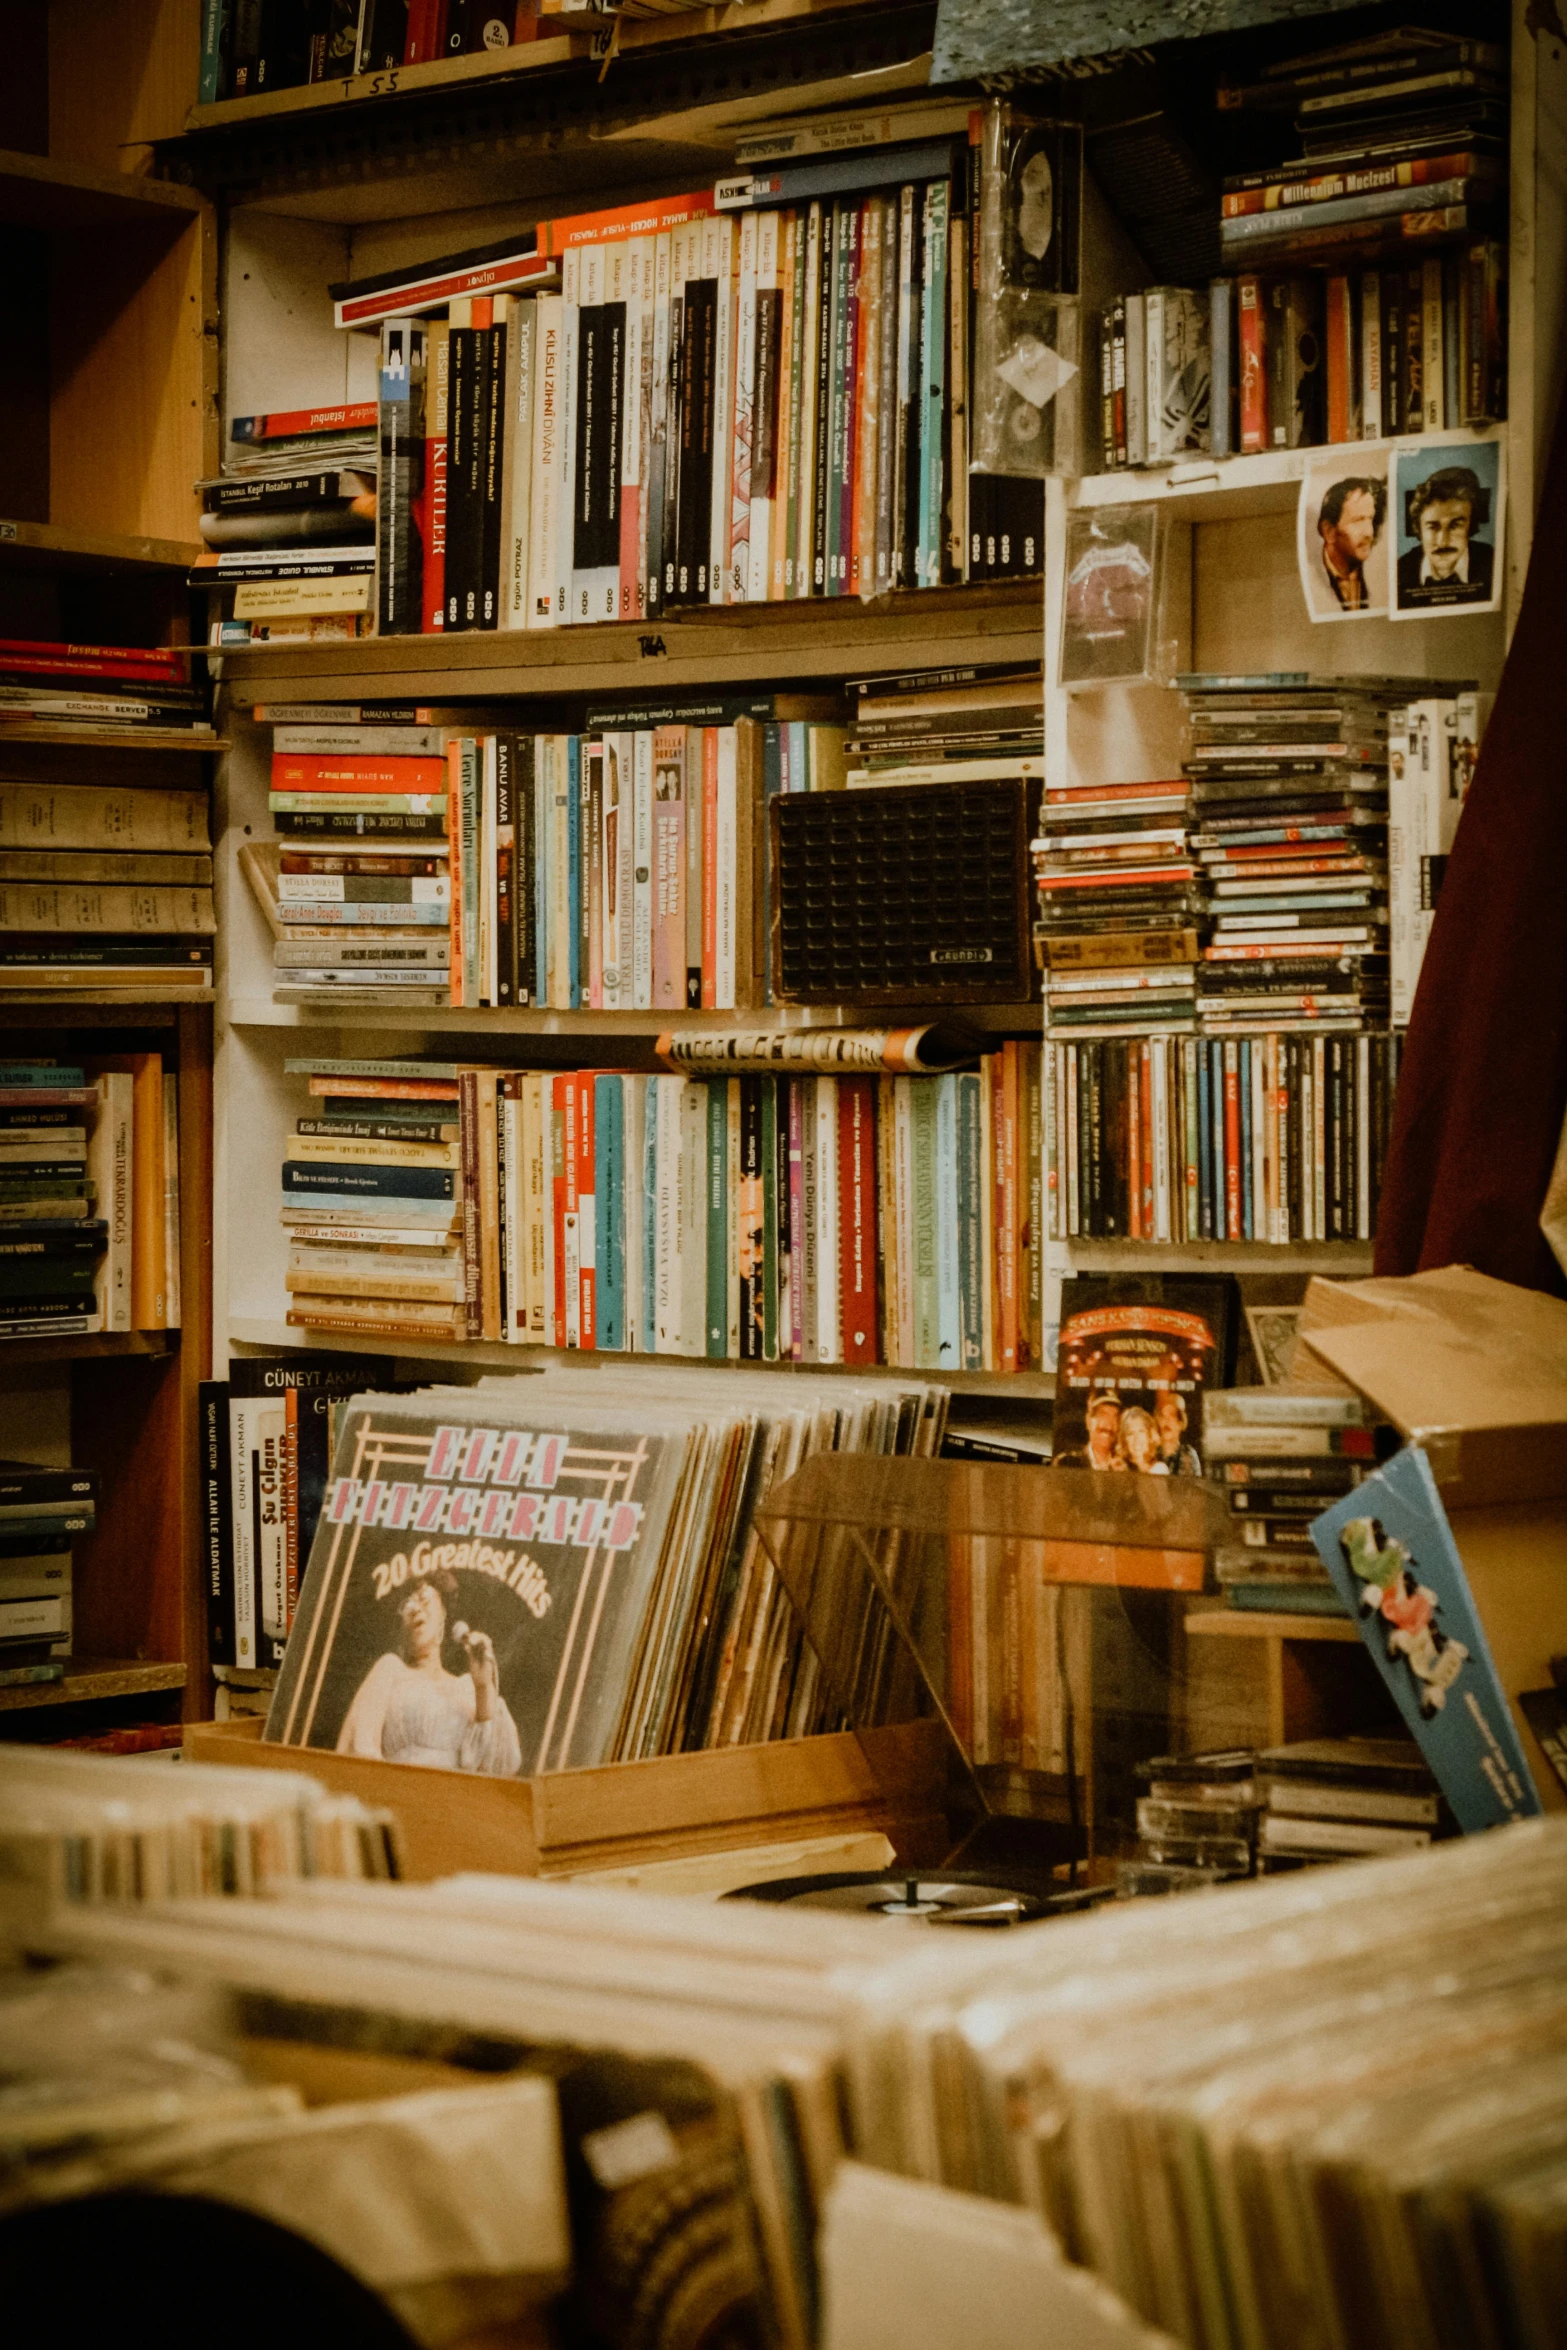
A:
x: 1472, y: 1369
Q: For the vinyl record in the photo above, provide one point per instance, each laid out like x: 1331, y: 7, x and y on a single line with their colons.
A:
x: 953, y: 1898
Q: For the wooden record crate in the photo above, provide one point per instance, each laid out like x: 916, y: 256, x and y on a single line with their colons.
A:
x: 620, y: 1814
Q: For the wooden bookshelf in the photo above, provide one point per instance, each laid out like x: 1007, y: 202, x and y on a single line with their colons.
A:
x: 36, y: 191
x: 87, y: 1347
x: 92, y: 1681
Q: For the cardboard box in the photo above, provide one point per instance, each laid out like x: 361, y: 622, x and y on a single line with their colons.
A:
x: 1474, y: 1371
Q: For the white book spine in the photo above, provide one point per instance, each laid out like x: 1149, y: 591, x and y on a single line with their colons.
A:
x: 1363, y: 1227
x: 1370, y: 355
x: 560, y: 874
x: 642, y: 878
x: 1153, y: 373
x: 1139, y: 376
x: 727, y: 847
x: 1259, y: 1141
x: 544, y: 503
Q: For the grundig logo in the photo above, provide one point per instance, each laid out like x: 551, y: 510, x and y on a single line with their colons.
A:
x: 961, y: 955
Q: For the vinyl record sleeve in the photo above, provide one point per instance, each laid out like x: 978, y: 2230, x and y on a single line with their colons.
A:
x: 477, y: 1587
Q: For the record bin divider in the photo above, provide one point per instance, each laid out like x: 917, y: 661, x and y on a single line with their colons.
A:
x: 1034, y: 1617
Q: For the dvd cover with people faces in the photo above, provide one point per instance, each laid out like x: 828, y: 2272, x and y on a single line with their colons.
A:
x: 1137, y: 1353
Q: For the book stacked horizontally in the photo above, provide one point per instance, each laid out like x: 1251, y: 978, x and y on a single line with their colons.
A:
x: 89, y: 1197
x: 965, y: 725
x: 358, y: 891
x: 1330, y: 1799
x: 1281, y: 1459
x: 372, y: 1203
x: 1120, y: 906
x: 817, y: 1205
x: 106, y: 881
x: 1378, y: 309
x: 42, y: 1512
x: 289, y: 525
x: 133, y: 689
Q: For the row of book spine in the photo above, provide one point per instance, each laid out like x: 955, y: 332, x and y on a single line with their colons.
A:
x: 714, y: 409
x: 1288, y: 361
x: 760, y: 1219
x: 1269, y: 1138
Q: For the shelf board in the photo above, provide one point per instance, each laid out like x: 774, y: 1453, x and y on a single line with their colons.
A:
x: 90, y: 1679
x: 87, y: 1347
x: 113, y: 738
x: 259, y: 1011
x: 310, y: 101
x: 822, y: 638
x: 38, y: 192
x: 1348, y: 1259
x: 487, y: 1355
x: 1213, y: 489
x: 1237, y: 1623
x: 54, y: 545
x: 12, y: 997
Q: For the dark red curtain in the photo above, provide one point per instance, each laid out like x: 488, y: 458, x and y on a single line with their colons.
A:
x: 1484, y: 1081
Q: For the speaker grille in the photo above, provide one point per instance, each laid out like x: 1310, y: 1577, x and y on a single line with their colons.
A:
x: 902, y: 894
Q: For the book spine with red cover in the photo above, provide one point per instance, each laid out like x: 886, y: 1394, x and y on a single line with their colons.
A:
x: 559, y: 1091
x: 857, y: 1235
x: 1232, y: 1141
x: 291, y: 772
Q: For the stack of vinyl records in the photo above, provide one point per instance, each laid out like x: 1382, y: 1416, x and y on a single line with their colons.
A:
x: 964, y: 725
x: 88, y: 1828
x: 1119, y: 907
x: 1331, y: 1799
x: 1281, y: 1460
x: 1289, y: 800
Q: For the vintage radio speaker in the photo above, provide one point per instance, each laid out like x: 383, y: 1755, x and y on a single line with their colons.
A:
x: 903, y: 894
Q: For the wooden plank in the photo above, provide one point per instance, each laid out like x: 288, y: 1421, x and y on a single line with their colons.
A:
x: 85, y: 1348
x: 127, y: 419
x: 91, y: 1679
x: 71, y: 543
x: 183, y: 1595
x: 827, y: 638
x: 122, y: 73
x: 310, y: 101
x: 1253, y: 1624
x: 40, y: 191
x: 676, y: 1804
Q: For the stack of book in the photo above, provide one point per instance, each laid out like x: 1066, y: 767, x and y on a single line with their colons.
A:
x: 104, y: 883
x: 1372, y: 299
x: 88, y: 1829
x: 42, y: 1511
x: 290, y: 523
x: 1330, y: 1799
x: 752, y: 1215
x: 1120, y: 904
x: 966, y: 725
x: 622, y: 868
x: 1281, y: 1459
x: 121, y: 688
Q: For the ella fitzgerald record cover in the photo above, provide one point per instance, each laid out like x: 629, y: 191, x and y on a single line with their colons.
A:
x: 475, y: 1592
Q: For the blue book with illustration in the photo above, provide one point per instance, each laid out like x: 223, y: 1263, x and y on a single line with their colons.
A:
x: 1391, y: 1553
